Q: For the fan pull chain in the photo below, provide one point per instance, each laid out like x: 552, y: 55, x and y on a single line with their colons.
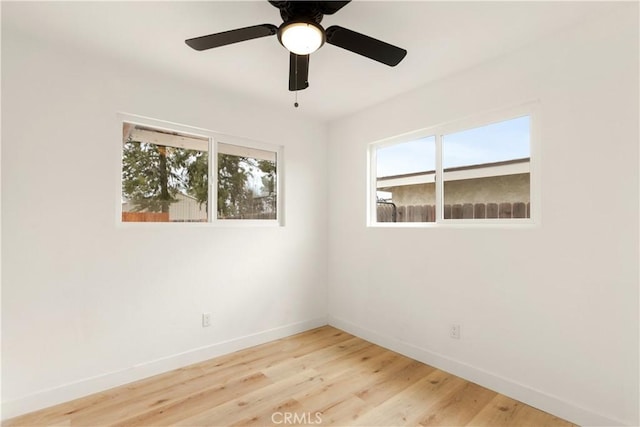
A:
x: 295, y: 104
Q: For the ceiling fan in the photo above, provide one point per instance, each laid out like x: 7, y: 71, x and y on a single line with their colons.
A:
x: 302, y: 34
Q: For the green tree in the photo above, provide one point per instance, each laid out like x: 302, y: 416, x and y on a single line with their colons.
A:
x: 246, y: 187
x: 152, y: 175
x: 194, y: 173
x: 269, y: 189
x: 234, y: 194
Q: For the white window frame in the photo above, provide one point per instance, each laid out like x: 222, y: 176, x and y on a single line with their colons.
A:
x: 530, y: 109
x: 214, y: 139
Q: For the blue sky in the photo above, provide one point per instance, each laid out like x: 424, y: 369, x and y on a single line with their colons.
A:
x: 492, y: 143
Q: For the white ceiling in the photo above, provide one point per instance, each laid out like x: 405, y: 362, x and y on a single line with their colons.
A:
x: 441, y: 38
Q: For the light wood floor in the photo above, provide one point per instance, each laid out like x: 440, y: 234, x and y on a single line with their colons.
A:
x: 321, y: 377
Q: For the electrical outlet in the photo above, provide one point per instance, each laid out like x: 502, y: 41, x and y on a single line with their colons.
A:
x: 454, y: 331
x: 206, y: 320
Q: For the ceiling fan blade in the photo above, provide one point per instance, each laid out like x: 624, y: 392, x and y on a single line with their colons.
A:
x: 331, y: 7
x: 364, y: 45
x: 298, y: 72
x: 232, y: 36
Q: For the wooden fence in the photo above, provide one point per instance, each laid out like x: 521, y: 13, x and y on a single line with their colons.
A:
x: 427, y: 213
x: 145, y: 216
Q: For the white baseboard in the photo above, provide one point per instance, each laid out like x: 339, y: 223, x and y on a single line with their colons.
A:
x: 536, y: 398
x: 87, y: 386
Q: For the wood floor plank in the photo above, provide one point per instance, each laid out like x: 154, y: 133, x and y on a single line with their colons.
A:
x: 169, y: 395
x: 337, y: 388
x: 195, y: 402
x: 346, y: 412
x: 459, y: 407
x: 350, y: 381
x: 259, y: 402
x: 504, y: 411
x: 321, y: 377
x: 409, y: 406
x: 387, y: 387
x: 292, y: 365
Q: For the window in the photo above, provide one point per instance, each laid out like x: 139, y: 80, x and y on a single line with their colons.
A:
x: 168, y: 176
x: 405, y: 184
x: 246, y: 183
x: 456, y: 173
x: 486, y: 171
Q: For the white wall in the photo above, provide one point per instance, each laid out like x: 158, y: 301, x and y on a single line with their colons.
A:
x: 88, y: 303
x: 549, y: 314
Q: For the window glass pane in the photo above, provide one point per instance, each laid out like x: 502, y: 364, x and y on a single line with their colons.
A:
x: 164, y: 176
x: 405, y: 187
x: 247, y: 183
x: 486, y: 171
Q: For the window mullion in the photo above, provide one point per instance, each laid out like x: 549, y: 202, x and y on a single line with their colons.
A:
x: 213, y: 180
x: 373, y: 188
x: 439, y: 180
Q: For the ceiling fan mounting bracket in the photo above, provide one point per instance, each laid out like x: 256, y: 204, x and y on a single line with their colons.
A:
x: 299, y: 11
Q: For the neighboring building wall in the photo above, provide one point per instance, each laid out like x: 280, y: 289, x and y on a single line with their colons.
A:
x: 416, y: 194
x: 496, y: 189
x: 187, y: 209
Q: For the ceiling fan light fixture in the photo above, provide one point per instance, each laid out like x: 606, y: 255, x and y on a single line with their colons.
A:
x: 301, y: 38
